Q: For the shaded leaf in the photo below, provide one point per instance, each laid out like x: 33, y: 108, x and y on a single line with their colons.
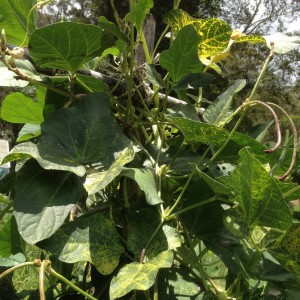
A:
x: 194, y: 81
x: 83, y: 134
x: 93, y: 83
x: 67, y: 45
x: 92, y: 239
x: 141, y: 225
x: 97, y: 181
x: 13, y: 17
x: 140, y: 12
x: 136, y: 276
x: 187, y: 111
x: 29, y: 150
x: 43, y: 199
x: 12, y: 260
x: 145, y: 180
x: 20, y: 108
x: 218, y: 112
x: 154, y: 77
x: 282, y: 43
x: 182, y: 57
x: 258, y: 194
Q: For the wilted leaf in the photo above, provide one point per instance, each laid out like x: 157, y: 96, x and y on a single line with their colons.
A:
x: 136, y: 276
x: 182, y: 57
x: 92, y: 239
x: 282, y: 43
x: 43, y: 199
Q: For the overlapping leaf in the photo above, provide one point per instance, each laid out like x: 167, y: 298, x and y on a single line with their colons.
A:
x: 13, y: 18
x: 43, y: 199
x: 182, y: 57
x: 83, y: 134
x: 67, y: 45
x: 141, y: 10
x: 136, y: 276
x: 258, y: 194
x: 92, y: 239
x: 177, y: 19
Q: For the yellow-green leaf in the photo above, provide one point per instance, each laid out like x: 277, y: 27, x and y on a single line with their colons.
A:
x: 137, y: 276
x: 177, y: 19
x: 253, y: 39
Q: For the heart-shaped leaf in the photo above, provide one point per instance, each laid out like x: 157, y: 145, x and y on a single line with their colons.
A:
x: 43, y: 199
x: 92, y: 239
x: 67, y: 45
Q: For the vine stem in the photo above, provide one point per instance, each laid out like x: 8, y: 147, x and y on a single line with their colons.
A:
x: 19, y: 266
x: 42, y: 271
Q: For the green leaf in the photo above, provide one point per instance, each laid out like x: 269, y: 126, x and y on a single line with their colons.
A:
x: 194, y: 81
x: 95, y: 182
x: 214, y: 36
x: 95, y: 84
x: 145, y: 180
x: 136, y: 276
x: 182, y: 57
x: 154, y: 77
x: 9, y: 238
x: 19, y: 108
x: 43, y: 200
x: 29, y: 150
x: 187, y: 111
x: 282, y: 43
x: 140, y: 12
x: 112, y: 28
x: 86, y: 133
x: 177, y: 19
x: 28, y: 131
x: 12, y: 260
x: 141, y: 225
x: 67, y: 45
x: 13, y: 18
x: 258, y: 194
x: 218, y: 112
x: 92, y: 239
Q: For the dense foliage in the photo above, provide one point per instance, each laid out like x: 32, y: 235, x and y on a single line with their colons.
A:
x: 128, y: 182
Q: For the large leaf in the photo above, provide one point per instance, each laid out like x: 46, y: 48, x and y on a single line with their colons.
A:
x: 97, y: 181
x: 141, y: 225
x: 145, y: 180
x: 67, y: 45
x: 177, y: 19
x: 214, y: 36
x: 182, y: 57
x: 218, y: 112
x: 29, y: 150
x: 43, y: 199
x: 83, y: 134
x: 140, y: 12
x: 13, y: 18
x: 136, y: 276
x: 92, y: 239
x: 20, y: 108
x: 257, y: 194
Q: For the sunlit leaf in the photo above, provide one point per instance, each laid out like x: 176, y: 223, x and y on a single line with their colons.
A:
x: 29, y: 131
x: 92, y: 239
x: 258, y: 194
x: 145, y: 180
x: 67, y: 45
x: 20, y: 108
x: 99, y: 180
x: 13, y: 17
x: 182, y: 58
x: 136, y: 276
x: 177, y: 19
x: 253, y: 39
x: 43, y: 200
x: 140, y: 12
x: 218, y: 112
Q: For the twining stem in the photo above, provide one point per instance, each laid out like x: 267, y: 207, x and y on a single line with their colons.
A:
x: 69, y: 283
x: 42, y: 271
x: 19, y: 266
